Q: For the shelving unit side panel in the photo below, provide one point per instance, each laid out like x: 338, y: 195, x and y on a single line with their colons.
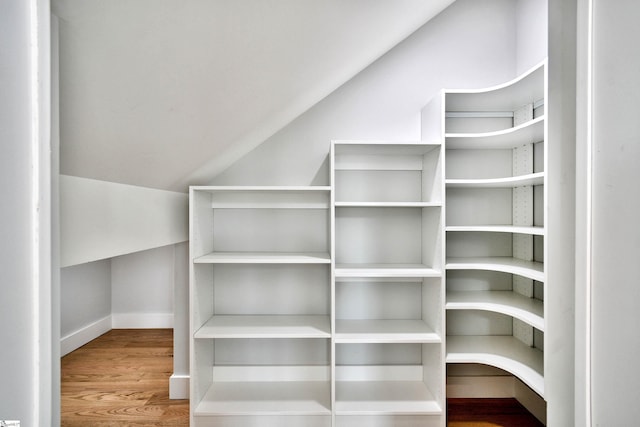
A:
x: 200, y: 223
x: 434, y: 372
x: 202, y: 295
x: 432, y: 119
x: 200, y: 377
x: 433, y: 176
x: 433, y: 304
x: 332, y: 283
x: 432, y: 238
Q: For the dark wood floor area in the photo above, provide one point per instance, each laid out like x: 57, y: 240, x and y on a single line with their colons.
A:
x: 489, y: 413
x: 122, y: 379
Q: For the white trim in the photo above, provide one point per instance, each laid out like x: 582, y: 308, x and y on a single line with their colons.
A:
x: 589, y: 220
x: 82, y: 336
x: 179, y: 386
x: 141, y: 320
x: 37, y: 299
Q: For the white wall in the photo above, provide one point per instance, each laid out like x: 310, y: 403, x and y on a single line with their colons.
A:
x: 615, y: 256
x: 101, y: 219
x: 142, y: 289
x: 130, y: 291
x: 470, y: 44
x: 28, y: 356
x: 85, y: 303
x: 531, y: 33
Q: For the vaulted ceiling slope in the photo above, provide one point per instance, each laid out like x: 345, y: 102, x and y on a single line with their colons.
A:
x: 153, y: 90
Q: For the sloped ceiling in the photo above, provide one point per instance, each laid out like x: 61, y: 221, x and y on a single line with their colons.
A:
x: 154, y: 92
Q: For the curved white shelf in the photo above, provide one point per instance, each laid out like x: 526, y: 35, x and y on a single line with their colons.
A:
x: 526, y: 133
x: 529, y: 310
x: 504, y: 352
x: 267, y: 326
x: 535, y: 231
x: 266, y: 398
x: 531, y: 269
x: 264, y: 258
x: 509, y: 96
x: 385, y: 270
x: 385, y: 331
x: 509, y: 182
x: 385, y: 398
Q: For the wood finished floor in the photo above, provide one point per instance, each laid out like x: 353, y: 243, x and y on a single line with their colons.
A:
x: 122, y: 379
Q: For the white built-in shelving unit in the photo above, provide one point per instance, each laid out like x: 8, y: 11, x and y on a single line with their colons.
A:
x: 341, y: 305
x: 260, y: 306
x: 494, y: 141
x: 388, y: 288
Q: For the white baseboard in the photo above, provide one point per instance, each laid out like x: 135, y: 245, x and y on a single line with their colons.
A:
x: 82, y: 336
x: 142, y: 320
x: 179, y: 387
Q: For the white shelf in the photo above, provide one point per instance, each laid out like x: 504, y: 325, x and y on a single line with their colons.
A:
x: 383, y: 147
x: 526, y: 88
x: 531, y: 269
x: 385, y: 331
x: 526, y: 133
x: 529, y: 310
x: 508, y: 182
x: 259, y: 188
x: 264, y: 258
x: 266, y: 398
x: 504, y: 352
x: 385, y: 270
x: 385, y: 398
x: 266, y: 326
x: 535, y: 231
x: 388, y: 204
